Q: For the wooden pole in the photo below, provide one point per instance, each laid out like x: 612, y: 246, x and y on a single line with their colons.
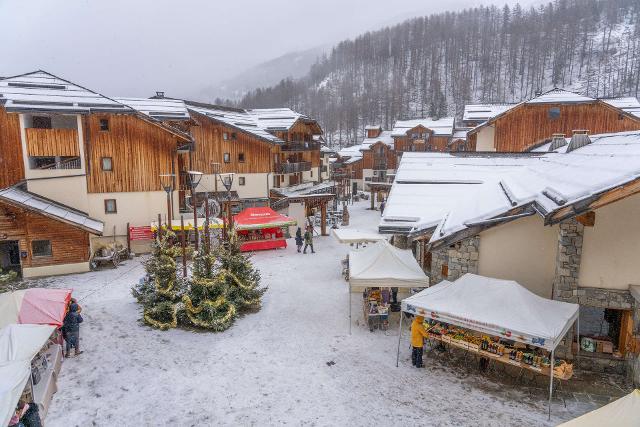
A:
x: 159, y: 228
x: 206, y: 227
x: 184, y: 247
x: 323, y: 218
x: 128, y: 239
x: 373, y: 198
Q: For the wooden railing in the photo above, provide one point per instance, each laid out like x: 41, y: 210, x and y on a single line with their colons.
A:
x: 292, y: 167
x: 73, y: 163
x: 52, y: 142
x: 300, y: 146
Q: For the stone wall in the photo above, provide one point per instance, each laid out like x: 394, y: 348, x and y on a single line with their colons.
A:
x: 460, y: 258
x: 565, y: 286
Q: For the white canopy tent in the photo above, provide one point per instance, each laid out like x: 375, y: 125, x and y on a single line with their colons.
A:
x: 496, y: 307
x: 624, y: 412
x: 346, y: 235
x: 383, y: 265
x: 18, y: 346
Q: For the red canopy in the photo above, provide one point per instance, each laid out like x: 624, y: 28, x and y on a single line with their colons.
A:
x: 263, y: 217
x: 44, y: 306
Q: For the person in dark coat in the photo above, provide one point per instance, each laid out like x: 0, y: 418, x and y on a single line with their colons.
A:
x: 299, y: 240
x: 308, y: 241
x: 71, y: 326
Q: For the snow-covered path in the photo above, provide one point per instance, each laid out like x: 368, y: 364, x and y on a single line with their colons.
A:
x: 270, y: 367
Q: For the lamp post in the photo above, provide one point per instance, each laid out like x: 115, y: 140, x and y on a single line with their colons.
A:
x: 166, y: 181
x: 194, y: 180
x: 227, y: 181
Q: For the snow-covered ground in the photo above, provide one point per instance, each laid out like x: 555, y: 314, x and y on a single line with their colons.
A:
x: 271, y: 367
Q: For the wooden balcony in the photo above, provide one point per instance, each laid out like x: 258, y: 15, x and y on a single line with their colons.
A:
x: 300, y: 146
x: 283, y: 168
x: 52, y: 142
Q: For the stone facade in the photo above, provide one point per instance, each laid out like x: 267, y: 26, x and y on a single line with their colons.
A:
x: 459, y: 258
x: 568, y: 258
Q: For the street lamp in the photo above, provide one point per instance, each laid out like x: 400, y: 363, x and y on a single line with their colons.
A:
x: 166, y: 181
x: 194, y: 180
x: 227, y: 181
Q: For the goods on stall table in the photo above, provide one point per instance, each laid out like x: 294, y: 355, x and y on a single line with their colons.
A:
x: 376, y: 308
x: 514, y: 354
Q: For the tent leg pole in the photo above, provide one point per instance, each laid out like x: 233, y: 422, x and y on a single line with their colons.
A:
x: 350, y: 309
x: 399, y: 338
x: 553, y: 359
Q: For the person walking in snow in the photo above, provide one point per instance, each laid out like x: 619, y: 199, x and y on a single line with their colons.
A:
x: 308, y: 241
x: 71, y: 326
x: 382, y: 205
x: 299, y: 240
x: 418, y: 334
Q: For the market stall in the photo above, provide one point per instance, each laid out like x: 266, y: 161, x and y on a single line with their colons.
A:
x: 34, y: 306
x: 379, y: 268
x: 624, y: 412
x: 261, y: 228
x: 466, y: 313
x: 346, y: 235
x: 29, y: 355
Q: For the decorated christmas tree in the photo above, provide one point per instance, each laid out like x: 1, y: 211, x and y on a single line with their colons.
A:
x: 241, y: 277
x: 206, y: 302
x: 160, y: 290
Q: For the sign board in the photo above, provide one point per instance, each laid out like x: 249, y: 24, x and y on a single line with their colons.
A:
x: 140, y: 233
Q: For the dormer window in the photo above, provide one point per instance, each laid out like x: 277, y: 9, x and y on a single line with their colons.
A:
x: 554, y: 113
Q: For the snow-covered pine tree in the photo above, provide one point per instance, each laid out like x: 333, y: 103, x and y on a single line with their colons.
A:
x: 239, y: 274
x: 206, y: 304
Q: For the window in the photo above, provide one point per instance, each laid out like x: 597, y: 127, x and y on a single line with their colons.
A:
x: 110, y: 206
x: 41, y: 248
x: 107, y: 164
x: 225, y: 136
x: 241, y: 157
x: 41, y: 122
x: 104, y: 124
x: 233, y: 135
x: 241, y: 180
x: 227, y: 157
x: 311, y: 173
x: 554, y: 113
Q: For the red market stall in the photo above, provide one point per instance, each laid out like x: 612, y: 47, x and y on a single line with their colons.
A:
x: 261, y: 228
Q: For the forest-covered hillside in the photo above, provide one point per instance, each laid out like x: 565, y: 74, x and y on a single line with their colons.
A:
x: 433, y: 65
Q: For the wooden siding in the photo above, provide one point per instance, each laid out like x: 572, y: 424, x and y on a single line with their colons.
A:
x: 370, y: 157
x: 11, y: 161
x: 437, y: 143
x: 52, y: 142
x: 528, y: 125
x: 210, y: 147
x: 139, y: 150
x: 69, y: 244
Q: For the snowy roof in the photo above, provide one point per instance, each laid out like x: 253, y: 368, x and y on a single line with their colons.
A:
x: 32, y: 202
x: 450, y: 192
x: 442, y: 126
x: 460, y: 134
x: 629, y: 104
x: 158, y: 108
x: 235, y: 118
x: 483, y: 112
x: 41, y: 91
x: 559, y: 96
x: 384, y: 137
x: 352, y: 151
x: 372, y: 127
x: 277, y: 119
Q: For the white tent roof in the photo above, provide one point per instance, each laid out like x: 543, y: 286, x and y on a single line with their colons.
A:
x: 624, y: 412
x: 384, y: 265
x: 346, y: 235
x: 18, y: 345
x: 496, y: 307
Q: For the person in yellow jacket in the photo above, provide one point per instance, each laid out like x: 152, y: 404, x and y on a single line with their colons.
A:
x: 418, y: 334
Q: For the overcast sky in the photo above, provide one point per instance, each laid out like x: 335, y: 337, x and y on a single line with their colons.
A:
x: 134, y: 47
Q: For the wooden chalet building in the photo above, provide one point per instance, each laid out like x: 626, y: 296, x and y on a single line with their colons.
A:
x: 520, y: 127
x: 420, y: 135
x: 94, y: 154
x: 378, y: 155
x: 265, y: 149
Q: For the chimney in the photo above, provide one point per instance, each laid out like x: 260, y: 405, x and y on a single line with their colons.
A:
x: 159, y: 94
x: 557, y: 140
x: 579, y: 139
